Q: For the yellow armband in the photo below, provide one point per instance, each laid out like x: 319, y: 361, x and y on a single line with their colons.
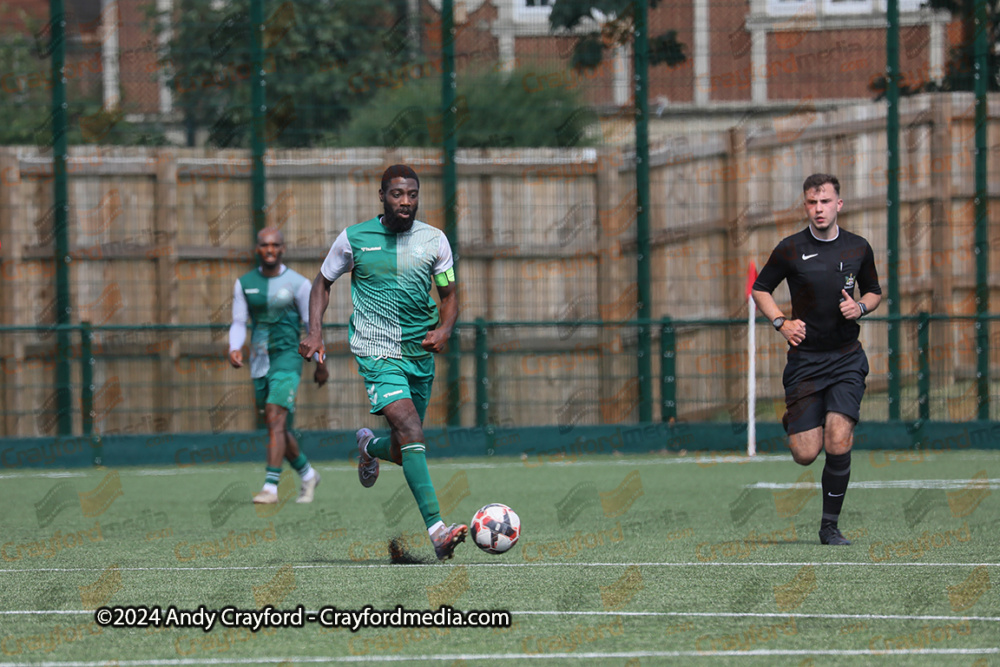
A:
x: 444, y: 279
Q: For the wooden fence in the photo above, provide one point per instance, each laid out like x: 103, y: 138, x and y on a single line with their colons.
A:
x: 158, y: 236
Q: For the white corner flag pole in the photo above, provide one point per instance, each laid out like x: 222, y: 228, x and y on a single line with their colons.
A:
x: 751, y: 365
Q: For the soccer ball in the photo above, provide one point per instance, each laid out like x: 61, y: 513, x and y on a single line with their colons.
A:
x: 495, y: 528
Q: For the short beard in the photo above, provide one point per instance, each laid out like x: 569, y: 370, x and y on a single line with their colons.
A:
x: 396, y: 225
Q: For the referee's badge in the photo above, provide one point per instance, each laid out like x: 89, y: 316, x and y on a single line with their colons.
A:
x: 849, y: 281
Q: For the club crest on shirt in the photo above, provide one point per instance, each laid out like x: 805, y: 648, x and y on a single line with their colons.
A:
x: 849, y: 281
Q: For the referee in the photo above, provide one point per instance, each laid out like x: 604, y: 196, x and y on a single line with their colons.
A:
x: 824, y: 378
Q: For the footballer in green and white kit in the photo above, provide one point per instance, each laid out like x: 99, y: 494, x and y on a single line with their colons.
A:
x: 276, y: 308
x: 274, y: 301
x: 395, y: 329
x: 391, y: 276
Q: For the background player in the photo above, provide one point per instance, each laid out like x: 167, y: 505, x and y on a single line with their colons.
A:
x: 394, y: 329
x: 824, y: 377
x: 276, y: 301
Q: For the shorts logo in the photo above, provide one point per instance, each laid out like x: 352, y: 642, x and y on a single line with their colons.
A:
x: 394, y: 393
x: 372, y: 394
x: 849, y: 281
x: 363, y: 249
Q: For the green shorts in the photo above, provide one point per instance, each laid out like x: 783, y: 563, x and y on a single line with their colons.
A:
x: 390, y: 380
x: 279, y: 388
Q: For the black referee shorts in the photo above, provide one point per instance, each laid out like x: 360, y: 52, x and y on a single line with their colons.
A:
x: 820, y: 382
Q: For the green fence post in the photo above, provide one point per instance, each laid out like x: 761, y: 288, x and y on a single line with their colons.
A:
x: 982, y: 211
x: 482, y: 374
x: 258, y: 114
x: 87, y: 362
x: 644, y: 353
x: 668, y: 371
x: 449, y: 183
x: 483, y: 385
x: 924, y: 375
x: 892, y: 195
x: 57, y: 45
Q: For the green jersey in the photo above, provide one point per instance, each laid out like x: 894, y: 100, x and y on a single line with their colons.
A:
x: 276, y: 308
x: 391, y: 277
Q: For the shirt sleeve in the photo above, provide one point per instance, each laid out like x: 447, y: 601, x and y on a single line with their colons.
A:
x: 774, y: 271
x: 339, y: 260
x: 445, y: 260
x: 238, y: 329
x: 868, y: 274
x: 302, y: 301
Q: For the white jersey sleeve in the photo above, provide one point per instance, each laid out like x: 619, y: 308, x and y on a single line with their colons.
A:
x: 241, y: 313
x: 302, y: 302
x: 444, y: 259
x: 339, y: 260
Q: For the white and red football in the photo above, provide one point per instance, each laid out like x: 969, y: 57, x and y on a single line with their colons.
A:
x: 495, y: 528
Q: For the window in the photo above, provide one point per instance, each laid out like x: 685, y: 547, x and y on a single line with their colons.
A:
x: 811, y: 10
x: 87, y: 16
x: 904, y: 5
x: 835, y: 7
x: 532, y: 10
x: 803, y: 9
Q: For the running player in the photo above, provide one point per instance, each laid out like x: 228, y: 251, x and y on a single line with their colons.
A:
x: 824, y: 378
x: 394, y: 331
x: 275, y: 300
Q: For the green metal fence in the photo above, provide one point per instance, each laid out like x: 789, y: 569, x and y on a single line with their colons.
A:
x: 631, y: 170
x: 699, y: 376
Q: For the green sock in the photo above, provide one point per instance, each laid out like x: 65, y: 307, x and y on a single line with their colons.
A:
x: 272, y: 475
x: 379, y: 448
x: 418, y: 477
x: 301, y: 465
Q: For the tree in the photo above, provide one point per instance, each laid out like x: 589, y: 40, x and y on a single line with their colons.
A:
x: 529, y: 107
x: 26, y: 86
x: 27, y: 93
x: 960, y: 69
x: 316, y: 52
x: 615, y: 23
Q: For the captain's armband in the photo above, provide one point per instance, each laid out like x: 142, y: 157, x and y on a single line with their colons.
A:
x: 446, y: 278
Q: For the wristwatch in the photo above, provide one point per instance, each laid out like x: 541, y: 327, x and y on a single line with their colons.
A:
x: 863, y: 308
x: 778, y: 321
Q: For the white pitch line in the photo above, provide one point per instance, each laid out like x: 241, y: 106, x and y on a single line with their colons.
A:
x: 891, y: 484
x: 56, y: 475
x: 310, y: 566
x: 658, y: 614
x: 699, y: 458
x: 530, y: 463
x: 476, y: 657
x: 733, y: 614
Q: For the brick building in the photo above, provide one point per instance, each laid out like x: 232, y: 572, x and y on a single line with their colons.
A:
x: 768, y: 55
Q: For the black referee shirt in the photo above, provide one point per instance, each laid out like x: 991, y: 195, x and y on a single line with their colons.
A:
x: 816, y: 271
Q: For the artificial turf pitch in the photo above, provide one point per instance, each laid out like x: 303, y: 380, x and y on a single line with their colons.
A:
x: 627, y: 560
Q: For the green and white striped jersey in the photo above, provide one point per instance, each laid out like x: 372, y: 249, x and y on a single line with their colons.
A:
x: 391, y: 277
x: 277, y: 308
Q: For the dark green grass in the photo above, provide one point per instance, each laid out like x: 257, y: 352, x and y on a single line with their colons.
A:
x: 726, y: 572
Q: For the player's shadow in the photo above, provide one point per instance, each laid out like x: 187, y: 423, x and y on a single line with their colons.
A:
x: 396, y: 554
x: 317, y: 560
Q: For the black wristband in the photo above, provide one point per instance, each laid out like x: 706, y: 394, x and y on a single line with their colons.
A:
x: 864, y: 310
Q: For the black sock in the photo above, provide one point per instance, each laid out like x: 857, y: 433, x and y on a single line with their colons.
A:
x: 836, y: 475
